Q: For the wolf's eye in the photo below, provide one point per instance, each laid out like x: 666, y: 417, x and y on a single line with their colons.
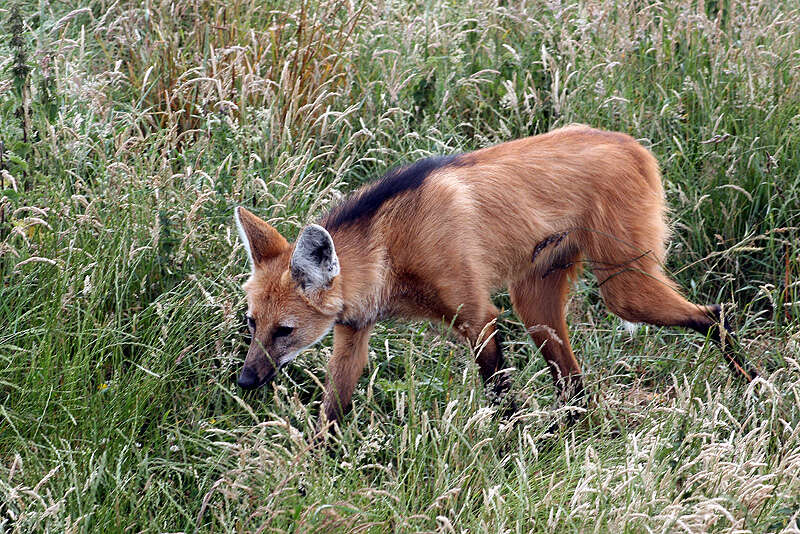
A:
x: 282, y: 331
x: 251, y: 324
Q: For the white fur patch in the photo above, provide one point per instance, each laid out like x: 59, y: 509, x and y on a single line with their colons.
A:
x: 630, y: 327
x: 291, y: 356
x: 289, y: 322
x: 288, y: 358
x: 243, y: 236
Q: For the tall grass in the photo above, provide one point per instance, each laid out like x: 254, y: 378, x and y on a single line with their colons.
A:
x: 144, y: 124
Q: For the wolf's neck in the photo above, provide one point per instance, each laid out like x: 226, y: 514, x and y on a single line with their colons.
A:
x: 364, y: 272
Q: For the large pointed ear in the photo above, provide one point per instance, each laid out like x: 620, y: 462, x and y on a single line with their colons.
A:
x: 261, y: 240
x: 314, y: 262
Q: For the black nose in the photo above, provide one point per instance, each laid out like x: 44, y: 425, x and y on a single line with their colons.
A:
x: 248, y: 379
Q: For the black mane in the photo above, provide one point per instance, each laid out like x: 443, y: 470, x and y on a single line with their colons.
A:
x: 366, y: 202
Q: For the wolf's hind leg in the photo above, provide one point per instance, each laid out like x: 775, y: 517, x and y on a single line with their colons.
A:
x: 641, y: 292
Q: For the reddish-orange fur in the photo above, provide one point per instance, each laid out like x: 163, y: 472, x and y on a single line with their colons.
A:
x: 582, y: 195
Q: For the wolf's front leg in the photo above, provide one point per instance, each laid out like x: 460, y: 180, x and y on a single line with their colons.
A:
x: 350, y: 350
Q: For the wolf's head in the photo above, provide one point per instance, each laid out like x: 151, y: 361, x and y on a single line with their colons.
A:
x: 293, y: 294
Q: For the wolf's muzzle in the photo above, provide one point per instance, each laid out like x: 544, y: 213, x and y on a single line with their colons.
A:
x: 248, y: 379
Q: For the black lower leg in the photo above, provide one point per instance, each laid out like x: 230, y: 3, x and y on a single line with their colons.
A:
x: 496, y: 380
x: 570, y: 390
x: 719, y: 329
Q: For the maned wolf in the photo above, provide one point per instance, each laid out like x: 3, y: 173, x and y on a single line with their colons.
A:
x: 434, y: 239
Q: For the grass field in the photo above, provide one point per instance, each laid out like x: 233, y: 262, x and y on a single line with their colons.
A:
x: 130, y: 131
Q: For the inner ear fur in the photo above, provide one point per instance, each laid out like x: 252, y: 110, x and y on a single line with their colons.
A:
x: 261, y: 240
x: 314, y: 262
